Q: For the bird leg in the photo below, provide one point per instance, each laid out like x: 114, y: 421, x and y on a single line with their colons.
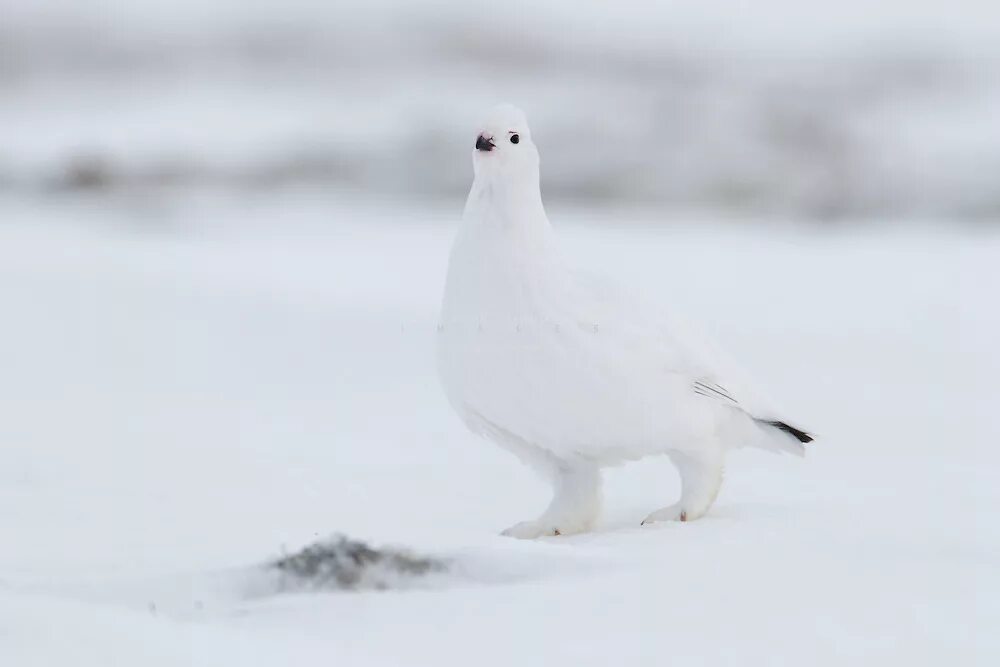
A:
x: 701, y: 477
x: 576, y: 503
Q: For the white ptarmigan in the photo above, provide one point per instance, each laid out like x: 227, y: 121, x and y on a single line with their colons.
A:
x: 570, y: 373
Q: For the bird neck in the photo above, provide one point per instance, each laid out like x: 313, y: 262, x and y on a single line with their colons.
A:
x: 509, y: 207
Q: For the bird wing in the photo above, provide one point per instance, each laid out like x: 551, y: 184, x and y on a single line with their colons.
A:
x: 683, y: 350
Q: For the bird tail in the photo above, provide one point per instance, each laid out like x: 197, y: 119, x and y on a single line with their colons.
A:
x: 796, y: 433
x: 782, y: 436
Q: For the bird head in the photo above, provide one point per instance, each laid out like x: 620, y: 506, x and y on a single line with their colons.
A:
x: 503, y: 148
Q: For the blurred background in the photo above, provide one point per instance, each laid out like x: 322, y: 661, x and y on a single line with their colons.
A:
x: 883, y: 112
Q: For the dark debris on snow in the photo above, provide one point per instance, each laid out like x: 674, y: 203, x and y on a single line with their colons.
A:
x: 340, y: 563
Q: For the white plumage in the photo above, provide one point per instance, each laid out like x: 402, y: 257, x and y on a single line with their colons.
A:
x: 569, y: 372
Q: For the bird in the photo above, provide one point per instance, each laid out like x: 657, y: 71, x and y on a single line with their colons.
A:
x: 571, y: 372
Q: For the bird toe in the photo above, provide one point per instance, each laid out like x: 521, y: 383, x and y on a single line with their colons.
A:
x: 672, y: 513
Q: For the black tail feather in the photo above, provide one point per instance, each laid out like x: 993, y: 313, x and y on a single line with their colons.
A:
x: 800, y: 435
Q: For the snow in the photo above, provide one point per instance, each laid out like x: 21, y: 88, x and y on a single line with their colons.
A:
x: 237, y: 378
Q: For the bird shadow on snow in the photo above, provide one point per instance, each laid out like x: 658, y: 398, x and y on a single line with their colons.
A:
x: 623, y: 529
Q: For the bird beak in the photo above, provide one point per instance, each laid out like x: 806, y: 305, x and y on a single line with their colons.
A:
x: 484, y: 144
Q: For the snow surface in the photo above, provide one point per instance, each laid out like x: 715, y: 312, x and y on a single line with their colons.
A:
x: 236, y: 380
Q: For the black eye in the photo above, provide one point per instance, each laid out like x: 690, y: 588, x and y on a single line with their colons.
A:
x: 514, y: 138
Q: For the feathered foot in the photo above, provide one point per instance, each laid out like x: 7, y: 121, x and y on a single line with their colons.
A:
x: 576, y: 503
x: 701, y: 477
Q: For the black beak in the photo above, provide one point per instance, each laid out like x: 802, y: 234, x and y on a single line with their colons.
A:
x: 484, y: 144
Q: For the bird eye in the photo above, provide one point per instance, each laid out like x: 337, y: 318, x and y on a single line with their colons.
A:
x: 514, y: 138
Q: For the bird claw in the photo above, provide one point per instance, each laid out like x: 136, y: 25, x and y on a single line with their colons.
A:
x: 530, y: 530
x: 672, y: 513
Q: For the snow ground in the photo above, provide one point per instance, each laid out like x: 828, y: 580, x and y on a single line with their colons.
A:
x: 184, y: 401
